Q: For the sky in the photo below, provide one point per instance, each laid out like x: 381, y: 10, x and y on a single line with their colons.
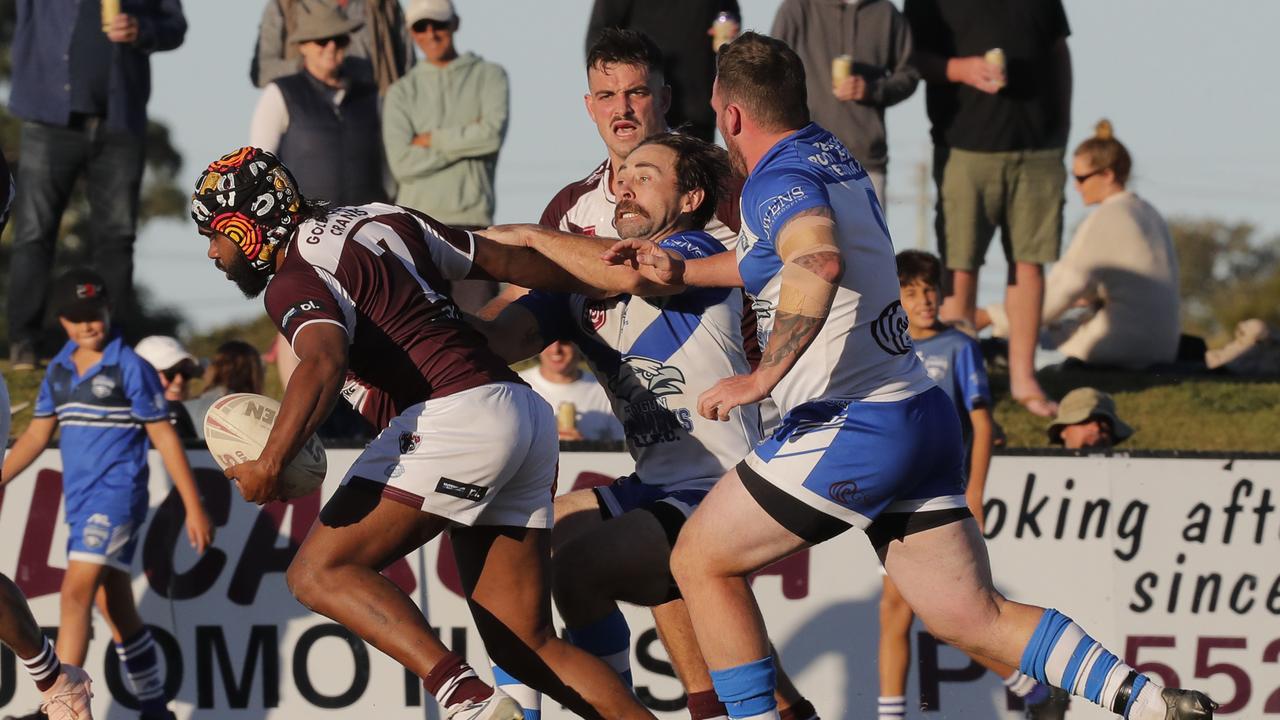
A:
x: 1183, y: 83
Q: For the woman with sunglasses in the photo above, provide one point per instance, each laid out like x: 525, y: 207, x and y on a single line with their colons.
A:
x: 1112, y: 300
x: 323, y: 121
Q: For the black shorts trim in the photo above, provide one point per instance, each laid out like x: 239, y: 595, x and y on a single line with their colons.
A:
x: 812, y: 526
x: 897, y: 526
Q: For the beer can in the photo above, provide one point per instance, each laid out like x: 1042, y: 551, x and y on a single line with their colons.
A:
x: 841, y: 69
x: 995, y: 57
x: 566, y: 417
x: 723, y: 30
x: 110, y: 9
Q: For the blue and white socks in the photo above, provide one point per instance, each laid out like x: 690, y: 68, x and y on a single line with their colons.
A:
x: 530, y: 700
x: 1062, y: 655
x: 747, y: 690
x: 141, y: 661
x: 608, y: 639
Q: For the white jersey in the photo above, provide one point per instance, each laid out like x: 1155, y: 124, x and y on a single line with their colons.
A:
x: 654, y: 357
x: 586, y: 208
x: 863, y: 351
x: 593, y: 413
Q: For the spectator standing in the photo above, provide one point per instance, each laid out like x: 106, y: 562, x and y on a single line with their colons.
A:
x: 443, y: 125
x: 998, y: 80
x: 685, y: 30
x: 381, y: 53
x: 875, y: 39
x: 1087, y: 420
x: 321, y: 121
x: 176, y: 367
x: 560, y: 381
x: 81, y: 82
x: 236, y: 367
x: 1112, y: 299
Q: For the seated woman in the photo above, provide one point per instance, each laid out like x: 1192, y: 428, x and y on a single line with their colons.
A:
x: 1112, y: 299
x: 235, y: 368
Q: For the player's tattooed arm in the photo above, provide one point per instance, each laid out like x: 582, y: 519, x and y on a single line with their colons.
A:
x: 811, y: 272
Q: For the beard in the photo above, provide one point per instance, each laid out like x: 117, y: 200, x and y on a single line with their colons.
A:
x: 639, y: 226
x: 736, y: 159
x: 250, y: 282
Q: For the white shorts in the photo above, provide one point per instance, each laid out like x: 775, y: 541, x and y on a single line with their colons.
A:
x: 484, y: 456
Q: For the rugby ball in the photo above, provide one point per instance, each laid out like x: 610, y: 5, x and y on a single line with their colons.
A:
x: 236, y: 429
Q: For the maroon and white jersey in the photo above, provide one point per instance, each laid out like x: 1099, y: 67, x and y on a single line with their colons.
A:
x: 586, y: 208
x: 379, y: 272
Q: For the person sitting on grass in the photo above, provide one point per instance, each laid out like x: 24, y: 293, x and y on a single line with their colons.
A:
x: 1087, y: 420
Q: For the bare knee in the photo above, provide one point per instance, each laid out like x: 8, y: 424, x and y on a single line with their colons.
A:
x: 305, y: 581
x: 687, y: 564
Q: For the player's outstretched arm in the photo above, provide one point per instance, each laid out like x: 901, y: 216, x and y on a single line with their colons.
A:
x: 811, y: 272
x: 166, y: 441
x: 580, y: 256
x: 508, y: 261
x: 28, y: 447
x: 668, y: 268
x: 322, y: 365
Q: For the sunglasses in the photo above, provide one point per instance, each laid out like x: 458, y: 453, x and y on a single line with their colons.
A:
x: 1086, y: 176
x: 424, y: 25
x: 185, y: 369
x: 340, y: 40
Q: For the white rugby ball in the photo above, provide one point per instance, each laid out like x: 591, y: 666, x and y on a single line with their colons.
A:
x: 236, y: 430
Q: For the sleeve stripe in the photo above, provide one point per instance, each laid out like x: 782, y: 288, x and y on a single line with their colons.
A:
x: 313, y: 322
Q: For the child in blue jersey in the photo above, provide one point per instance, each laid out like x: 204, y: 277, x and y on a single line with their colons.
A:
x: 109, y: 404
x: 954, y: 362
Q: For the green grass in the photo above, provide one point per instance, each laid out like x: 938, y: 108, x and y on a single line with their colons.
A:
x: 1206, y: 413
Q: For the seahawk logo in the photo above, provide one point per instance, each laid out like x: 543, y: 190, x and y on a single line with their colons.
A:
x: 645, y: 375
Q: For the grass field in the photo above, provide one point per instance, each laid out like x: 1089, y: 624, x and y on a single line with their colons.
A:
x: 1188, y: 413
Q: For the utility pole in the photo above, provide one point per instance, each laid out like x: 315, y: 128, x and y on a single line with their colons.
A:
x: 922, y: 205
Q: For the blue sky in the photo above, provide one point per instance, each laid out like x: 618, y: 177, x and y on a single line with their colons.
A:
x: 1183, y: 82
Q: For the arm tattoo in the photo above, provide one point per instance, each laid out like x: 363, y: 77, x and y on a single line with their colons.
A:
x: 791, y: 335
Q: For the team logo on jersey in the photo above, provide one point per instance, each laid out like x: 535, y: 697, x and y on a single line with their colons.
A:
x: 770, y: 209
x: 935, y: 366
x: 304, y: 306
x: 890, y: 330
x: 409, y: 442
x: 101, y: 386
x: 593, y: 314
x: 641, y: 376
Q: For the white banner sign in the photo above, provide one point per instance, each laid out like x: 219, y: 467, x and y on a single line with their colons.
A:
x: 1172, y: 563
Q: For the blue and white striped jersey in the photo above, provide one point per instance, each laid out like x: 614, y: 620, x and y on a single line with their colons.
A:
x: 654, y: 356
x: 101, y: 415
x: 863, y: 351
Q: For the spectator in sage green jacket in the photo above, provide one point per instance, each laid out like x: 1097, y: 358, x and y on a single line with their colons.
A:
x: 442, y: 125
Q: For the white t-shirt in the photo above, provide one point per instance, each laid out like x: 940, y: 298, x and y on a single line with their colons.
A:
x: 594, y: 417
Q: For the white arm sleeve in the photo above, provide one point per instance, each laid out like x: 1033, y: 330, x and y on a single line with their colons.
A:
x: 270, y: 119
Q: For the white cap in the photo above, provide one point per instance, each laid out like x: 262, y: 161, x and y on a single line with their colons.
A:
x: 439, y: 10
x: 163, y: 352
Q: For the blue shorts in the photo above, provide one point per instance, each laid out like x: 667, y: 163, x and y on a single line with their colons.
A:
x: 631, y: 493
x: 888, y: 468
x: 107, y: 535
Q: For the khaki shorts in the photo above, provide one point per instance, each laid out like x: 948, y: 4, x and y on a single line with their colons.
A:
x: 484, y: 456
x: 1021, y: 193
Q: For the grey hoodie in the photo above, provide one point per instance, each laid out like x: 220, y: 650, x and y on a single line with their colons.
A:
x: 877, y: 36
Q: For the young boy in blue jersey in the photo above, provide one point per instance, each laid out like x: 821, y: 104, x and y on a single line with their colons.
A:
x: 111, y: 409
x: 954, y: 362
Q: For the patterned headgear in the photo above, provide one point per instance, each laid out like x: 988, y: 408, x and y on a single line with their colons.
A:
x: 250, y: 197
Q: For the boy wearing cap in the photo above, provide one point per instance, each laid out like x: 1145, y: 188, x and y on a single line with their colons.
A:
x: 1087, y: 420
x: 109, y: 404
x: 954, y: 362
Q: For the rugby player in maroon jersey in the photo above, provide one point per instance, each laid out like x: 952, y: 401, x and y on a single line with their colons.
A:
x: 465, y: 446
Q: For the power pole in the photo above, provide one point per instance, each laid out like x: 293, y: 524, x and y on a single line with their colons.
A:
x: 922, y: 205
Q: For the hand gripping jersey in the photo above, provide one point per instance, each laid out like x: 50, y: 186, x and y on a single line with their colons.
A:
x: 863, y: 351
x: 380, y: 272
x: 654, y: 357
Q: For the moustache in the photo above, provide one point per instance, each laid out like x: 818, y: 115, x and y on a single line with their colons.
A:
x: 628, y: 206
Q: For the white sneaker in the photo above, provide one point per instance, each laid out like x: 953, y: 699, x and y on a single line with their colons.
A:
x: 68, y: 698
x: 498, y: 706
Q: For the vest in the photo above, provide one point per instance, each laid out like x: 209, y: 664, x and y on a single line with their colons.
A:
x: 335, y: 153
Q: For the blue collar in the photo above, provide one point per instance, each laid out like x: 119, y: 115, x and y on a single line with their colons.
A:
x: 110, y: 354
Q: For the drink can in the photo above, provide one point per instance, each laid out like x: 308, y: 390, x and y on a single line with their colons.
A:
x: 995, y: 57
x: 841, y: 69
x: 110, y: 9
x: 566, y: 417
x: 723, y: 30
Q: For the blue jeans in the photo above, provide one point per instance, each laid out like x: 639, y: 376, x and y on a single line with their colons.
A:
x: 52, y: 158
